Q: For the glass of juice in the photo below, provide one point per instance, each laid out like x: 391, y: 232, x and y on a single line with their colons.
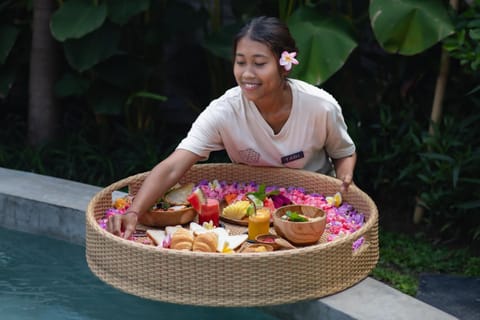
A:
x: 259, y: 223
x: 209, y: 211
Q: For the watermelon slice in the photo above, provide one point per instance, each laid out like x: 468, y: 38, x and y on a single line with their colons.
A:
x: 197, y: 198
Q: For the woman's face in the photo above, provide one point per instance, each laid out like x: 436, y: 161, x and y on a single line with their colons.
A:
x: 256, y: 70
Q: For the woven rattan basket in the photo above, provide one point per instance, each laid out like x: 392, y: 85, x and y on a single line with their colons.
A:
x: 250, y: 279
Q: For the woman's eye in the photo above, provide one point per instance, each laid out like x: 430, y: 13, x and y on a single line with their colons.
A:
x: 240, y: 63
x: 260, y: 64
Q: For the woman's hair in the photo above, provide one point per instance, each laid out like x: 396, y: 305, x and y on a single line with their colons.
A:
x: 270, y: 31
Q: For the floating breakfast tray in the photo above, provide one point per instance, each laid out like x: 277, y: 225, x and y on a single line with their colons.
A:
x: 231, y: 280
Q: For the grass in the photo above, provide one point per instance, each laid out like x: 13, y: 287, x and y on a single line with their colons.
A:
x: 403, y: 258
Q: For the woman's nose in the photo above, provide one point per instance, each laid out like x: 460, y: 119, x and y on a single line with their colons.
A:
x: 248, y: 72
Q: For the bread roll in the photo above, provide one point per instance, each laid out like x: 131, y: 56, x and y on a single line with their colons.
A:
x: 182, y: 239
x: 206, y: 242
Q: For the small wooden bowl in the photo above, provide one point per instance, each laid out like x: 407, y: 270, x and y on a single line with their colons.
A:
x: 300, y: 233
x: 163, y: 218
x: 254, y: 248
x: 268, y: 239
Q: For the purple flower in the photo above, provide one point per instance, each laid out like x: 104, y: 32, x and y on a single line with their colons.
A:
x: 358, y: 243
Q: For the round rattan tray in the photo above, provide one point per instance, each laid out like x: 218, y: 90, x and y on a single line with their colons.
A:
x: 247, y: 279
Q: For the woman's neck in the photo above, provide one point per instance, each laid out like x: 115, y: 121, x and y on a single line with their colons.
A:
x: 276, y: 109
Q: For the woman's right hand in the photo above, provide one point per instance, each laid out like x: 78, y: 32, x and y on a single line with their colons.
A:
x: 122, y: 225
x: 159, y: 180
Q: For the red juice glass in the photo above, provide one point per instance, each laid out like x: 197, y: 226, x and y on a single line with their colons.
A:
x: 209, y: 211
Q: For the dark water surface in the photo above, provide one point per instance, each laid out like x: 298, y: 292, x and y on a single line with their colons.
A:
x: 43, y: 278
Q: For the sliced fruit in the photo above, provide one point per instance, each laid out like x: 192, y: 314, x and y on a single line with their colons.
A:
x: 197, y: 198
x: 257, y: 201
x: 236, y: 210
x: 230, y: 198
x: 178, y: 196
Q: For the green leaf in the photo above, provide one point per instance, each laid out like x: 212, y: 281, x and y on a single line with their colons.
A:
x: 124, y: 71
x: 120, y: 11
x: 409, y: 27
x: 84, y: 53
x: 108, y: 100
x: 71, y: 85
x: 8, y: 36
x: 145, y: 94
x: 469, y: 205
x: 295, y: 216
x: 220, y: 43
x: 437, y: 156
x: 76, y: 18
x: 324, y: 43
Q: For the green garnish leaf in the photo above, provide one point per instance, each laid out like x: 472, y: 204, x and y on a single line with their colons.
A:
x: 261, y: 195
x: 251, y: 210
x: 295, y: 216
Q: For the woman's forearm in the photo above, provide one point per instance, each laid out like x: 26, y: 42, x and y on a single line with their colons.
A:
x: 344, y: 169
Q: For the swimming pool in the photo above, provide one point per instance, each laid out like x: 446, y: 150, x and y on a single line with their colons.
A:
x: 42, y: 278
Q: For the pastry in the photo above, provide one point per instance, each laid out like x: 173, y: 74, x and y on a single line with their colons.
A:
x: 182, y: 239
x: 206, y: 242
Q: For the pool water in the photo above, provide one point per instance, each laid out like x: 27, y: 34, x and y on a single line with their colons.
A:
x: 43, y: 278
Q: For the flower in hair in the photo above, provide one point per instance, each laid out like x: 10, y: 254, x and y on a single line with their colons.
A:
x: 287, y: 59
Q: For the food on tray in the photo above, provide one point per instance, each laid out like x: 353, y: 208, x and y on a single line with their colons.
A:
x: 179, y: 194
x: 294, y: 216
x: 257, y: 248
x: 157, y: 236
x: 206, y: 242
x: 341, y: 217
x: 197, y: 199
x: 236, y: 210
x: 182, y: 239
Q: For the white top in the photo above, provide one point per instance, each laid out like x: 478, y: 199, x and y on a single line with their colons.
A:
x: 314, y: 131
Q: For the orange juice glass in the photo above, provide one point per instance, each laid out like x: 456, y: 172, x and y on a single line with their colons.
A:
x: 259, y: 223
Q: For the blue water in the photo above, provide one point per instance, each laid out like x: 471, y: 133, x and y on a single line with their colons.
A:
x: 42, y: 278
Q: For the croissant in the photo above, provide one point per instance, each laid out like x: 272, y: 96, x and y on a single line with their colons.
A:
x: 182, y: 239
x: 206, y: 242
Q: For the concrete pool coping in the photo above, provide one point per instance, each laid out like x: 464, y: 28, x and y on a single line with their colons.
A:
x: 56, y: 208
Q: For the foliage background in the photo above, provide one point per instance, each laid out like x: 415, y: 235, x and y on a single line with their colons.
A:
x: 131, y: 76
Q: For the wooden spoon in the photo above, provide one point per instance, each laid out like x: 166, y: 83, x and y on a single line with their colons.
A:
x: 284, y: 243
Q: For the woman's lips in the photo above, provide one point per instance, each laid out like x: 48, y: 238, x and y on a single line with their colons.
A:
x: 250, y: 86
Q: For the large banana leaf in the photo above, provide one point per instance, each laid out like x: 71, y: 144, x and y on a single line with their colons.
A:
x: 8, y: 35
x: 409, y: 27
x: 120, y: 11
x: 76, y: 18
x: 221, y: 43
x: 324, y: 44
x: 95, y: 47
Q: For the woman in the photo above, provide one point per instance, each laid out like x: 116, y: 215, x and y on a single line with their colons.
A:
x: 267, y: 120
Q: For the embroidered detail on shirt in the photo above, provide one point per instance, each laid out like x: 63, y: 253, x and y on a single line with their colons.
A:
x: 293, y: 157
x: 249, y: 156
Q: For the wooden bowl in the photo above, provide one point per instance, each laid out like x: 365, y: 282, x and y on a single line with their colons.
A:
x: 300, y: 233
x: 256, y: 248
x: 268, y: 239
x: 163, y: 218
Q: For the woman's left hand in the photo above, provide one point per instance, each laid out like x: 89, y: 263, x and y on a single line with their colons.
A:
x: 346, y: 182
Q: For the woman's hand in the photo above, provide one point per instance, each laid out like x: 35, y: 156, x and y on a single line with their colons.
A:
x: 346, y: 182
x: 159, y: 180
x: 122, y: 225
x: 344, y: 168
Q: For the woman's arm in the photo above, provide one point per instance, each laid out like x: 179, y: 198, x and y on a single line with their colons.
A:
x: 162, y: 177
x: 344, y: 168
